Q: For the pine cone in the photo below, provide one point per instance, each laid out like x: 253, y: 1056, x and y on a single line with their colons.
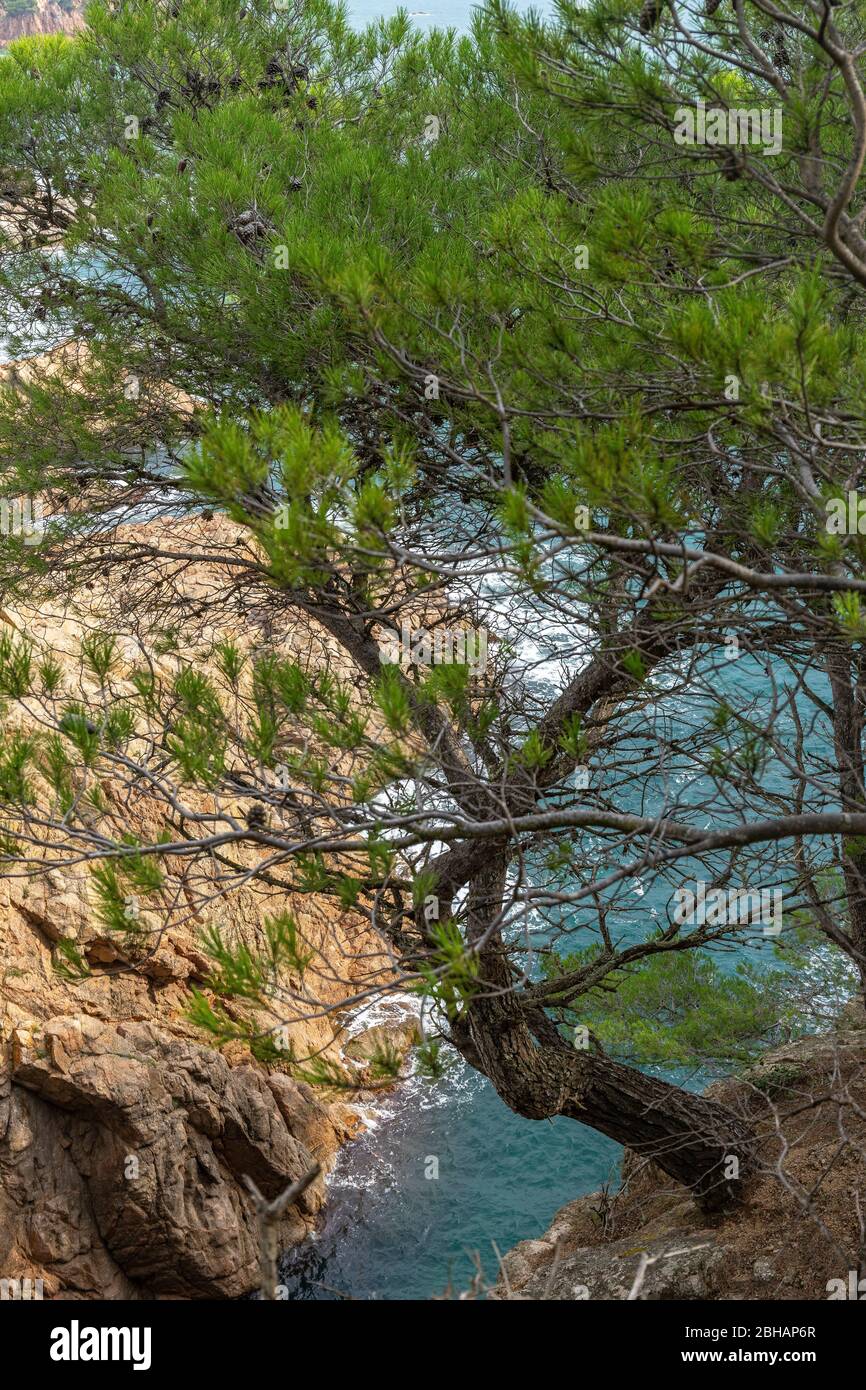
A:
x: 710, y: 7
x: 249, y: 227
x: 257, y: 817
x: 649, y: 15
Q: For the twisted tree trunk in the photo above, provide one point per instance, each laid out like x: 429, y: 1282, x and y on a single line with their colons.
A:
x: 539, y: 1075
x: 691, y: 1138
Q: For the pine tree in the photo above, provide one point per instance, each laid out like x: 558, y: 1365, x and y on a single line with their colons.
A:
x: 486, y: 335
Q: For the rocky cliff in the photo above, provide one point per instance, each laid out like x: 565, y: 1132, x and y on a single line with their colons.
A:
x: 21, y: 19
x: 796, y: 1233
x: 124, y: 1136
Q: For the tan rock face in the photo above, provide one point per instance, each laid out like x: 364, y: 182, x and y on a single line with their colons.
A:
x: 45, y: 17
x: 160, y: 1132
x: 381, y: 1046
x: 73, y: 361
x: 125, y: 1137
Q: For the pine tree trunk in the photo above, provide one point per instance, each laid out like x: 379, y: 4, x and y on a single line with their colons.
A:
x: 539, y: 1074
x: 691, y: 1138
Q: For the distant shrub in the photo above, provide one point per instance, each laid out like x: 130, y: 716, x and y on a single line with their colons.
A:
x: 778, y: 1080
x: 18, y: 7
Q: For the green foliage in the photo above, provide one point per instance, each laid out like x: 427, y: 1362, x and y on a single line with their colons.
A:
x: 230, y: 661
x: 50, y: 675
x: 82, y: 733
x: 384, y: 1063
x: 449, y: 684
x: 57, y: 768
x: 430, y: 1061
x: 199, y: 739
x: 777, y: 1081
x: 285, y: 950
x: 848, y: 611
x: 515, y: 512
x: 68, y: 962
x: 572, y: 740
x: 119, y: 726
x: 329, y: 1075
x: 255, y: 975
x: 634, y: 664
x: 534, y: 753
x: 121, y: 883
x: 683, y: 1008
x: 16, y: 754
x: 449, y: 972
x: 114, y: 902
x: 216, y: 1020
x: 16, y: 662
x: 99, y: 654
x: 392, y: 699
